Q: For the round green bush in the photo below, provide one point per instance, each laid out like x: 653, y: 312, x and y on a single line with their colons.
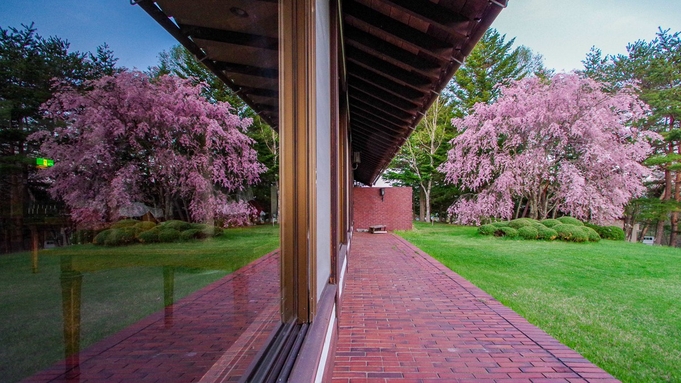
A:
x: 550, y: 222
x: 143, y: 226
x: 614, y: 233
x: 546, y: 233
x: 149, y: 236
x: 570, y: 221
x: 506, y: 232
x: 528, y: 232
x: 121, y: 236
x: 487, y: 229
x: 592, y: 234
x: 168, y: 235
x: 190, y: 234
x: 500, y: 224
x: 571, y: 233
x: 522, y: 222
x: 100, y: 238
x: 176, y: 224
x: 124, y: 223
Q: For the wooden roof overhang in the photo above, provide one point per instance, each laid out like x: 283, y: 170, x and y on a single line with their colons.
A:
x: 398, y: 56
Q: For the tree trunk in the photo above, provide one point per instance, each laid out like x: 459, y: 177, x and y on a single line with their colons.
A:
x: 422, y: 206
x: 427, y: 195
x: 675, y: 214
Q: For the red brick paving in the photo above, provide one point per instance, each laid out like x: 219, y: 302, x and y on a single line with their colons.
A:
x: 407, y: 318
x: 213, y: 335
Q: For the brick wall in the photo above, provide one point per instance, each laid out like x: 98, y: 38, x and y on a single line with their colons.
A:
x: 394, y: 211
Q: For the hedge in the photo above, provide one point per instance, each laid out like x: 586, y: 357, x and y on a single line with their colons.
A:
x: 149, y: 236
x: 546, y: 233
x: 571, y: 233
x: 522, y: 222
x: 124, y: 223
x: 550, y: 222
x: 570, y: 221
x: 168, y: 235
x: 488, y: 229
x: 608, y: 232
x: 506, y: 232
x: 176, y: 224
x: 528, y: 232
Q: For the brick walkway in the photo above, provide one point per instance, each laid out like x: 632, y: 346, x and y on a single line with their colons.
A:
x: 209, y: 336
x: 407, y: 318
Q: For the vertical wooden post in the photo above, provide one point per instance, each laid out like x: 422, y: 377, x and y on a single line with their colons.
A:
x: 71, y: 288
x: 297, y: 174
x: 168, y: 295
x: 35, y: 247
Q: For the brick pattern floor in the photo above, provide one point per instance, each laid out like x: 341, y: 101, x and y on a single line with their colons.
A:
x: 212, y: 335
x: 407, y: 318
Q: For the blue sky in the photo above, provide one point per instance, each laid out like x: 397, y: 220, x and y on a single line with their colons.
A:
x: 561, y: 30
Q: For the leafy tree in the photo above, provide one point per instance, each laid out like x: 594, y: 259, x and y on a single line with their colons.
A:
x: 422, y: 153
x: 182, y: 63
x: 129, y: 139
x: 493, y: 62
x: 29, y: 66
x: 562, y: 145
x: 653, y: 66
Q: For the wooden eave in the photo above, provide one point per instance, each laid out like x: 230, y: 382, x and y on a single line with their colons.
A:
x: 399, y: 55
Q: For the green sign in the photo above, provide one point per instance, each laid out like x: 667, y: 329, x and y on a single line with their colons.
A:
x: 44, y: 162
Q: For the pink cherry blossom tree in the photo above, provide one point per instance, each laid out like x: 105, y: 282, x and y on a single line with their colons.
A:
x: 555, y: 146
x: 130, y: 138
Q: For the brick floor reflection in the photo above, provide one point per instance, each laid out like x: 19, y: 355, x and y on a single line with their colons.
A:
x: 209, y: 336
x: 407, y: 318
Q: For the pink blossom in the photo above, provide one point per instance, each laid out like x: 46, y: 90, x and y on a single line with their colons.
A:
x: 560, y: 145
x: 129, y: 138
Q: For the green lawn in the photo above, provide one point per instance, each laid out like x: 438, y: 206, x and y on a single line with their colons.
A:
x: 120, y: 286
x: 616, y: 303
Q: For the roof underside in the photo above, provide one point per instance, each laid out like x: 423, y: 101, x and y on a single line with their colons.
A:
x: 399, y: 54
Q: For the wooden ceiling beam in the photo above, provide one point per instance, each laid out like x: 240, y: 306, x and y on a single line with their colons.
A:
x: 357, y: 37
x: 386, y: 108
x: 434, y: 14
x: 390, y: 98
x: 385, y: 82
x: 230, y: 37
x: 399, y: 30
x: 246, y: 69
x: 411, y: 77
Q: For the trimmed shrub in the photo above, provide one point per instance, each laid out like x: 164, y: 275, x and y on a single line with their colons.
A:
x: 190, y: 234
x: 176, y: 224
x: 168, y: 235
x: 143, y: 226
x: 500, y: 224
x: 571, y: 233
x: 487, y: 229
x: 528, y: 232
x: 121, y: 236
x: 550, y: 222
x: 124, y: 223
x: 100, y: 238
x: 506, y: 232
x: 522, y: 222
x: 614, y: 233
x: 592, y: 234
x: 570, y: 221
x: 546, y: 233
x: 149, y: 236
